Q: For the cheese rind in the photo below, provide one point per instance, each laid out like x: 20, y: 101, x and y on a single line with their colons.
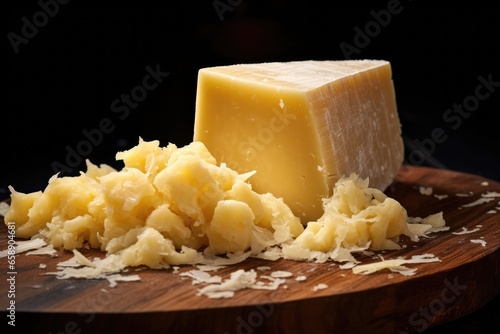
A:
x: 302, y: 125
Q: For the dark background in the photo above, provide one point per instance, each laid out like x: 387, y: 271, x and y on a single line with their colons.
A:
x: 65, y: 78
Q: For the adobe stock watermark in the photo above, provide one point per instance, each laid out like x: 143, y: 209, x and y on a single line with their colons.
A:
x: 121, y: 107
x: 30, y: 28
x: 250, y: 147
x: 88, y: 310
x: 373, y: 28
x: 11, y: 274
x: 420, y: 320
x: 223, y: 6
x: 421, y: 151
x: 254, y: 319
x: 454, y: 117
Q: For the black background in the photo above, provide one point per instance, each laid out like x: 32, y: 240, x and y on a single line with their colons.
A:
x: 65, y: 78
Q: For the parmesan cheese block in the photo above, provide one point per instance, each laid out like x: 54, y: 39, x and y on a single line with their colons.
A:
x: 302, y: 126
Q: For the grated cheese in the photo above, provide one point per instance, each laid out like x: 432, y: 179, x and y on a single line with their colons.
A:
x: 173, y: 206
x: 24, y: 246
x: 46, y: 250
x: 395, y: 265
x: 273, y: 283
x: 239, y: 279
x: 281, y: 274
x: 440, y: 196
x: 479, y: 241
x: 4, y: 208
x: 491, y: 194
x: 465, y: 230
x: 200, y: 276
x: 320, y: 286
x: 425, y: 190
x: 478, y: 202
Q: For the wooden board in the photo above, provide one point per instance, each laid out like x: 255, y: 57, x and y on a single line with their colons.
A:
x: 467, y: 277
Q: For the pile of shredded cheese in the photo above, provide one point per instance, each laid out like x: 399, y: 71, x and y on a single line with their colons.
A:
x: 176, y: 206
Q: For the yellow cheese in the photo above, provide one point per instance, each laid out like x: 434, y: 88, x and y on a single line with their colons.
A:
x: 302, y: 126
x: 166, y: 205
x: 173, y: 206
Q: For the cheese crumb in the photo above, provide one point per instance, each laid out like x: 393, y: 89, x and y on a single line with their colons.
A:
x: 425, y: 190
x: 263, y: 268
x: 4, y: 208
x: 440, y: 196
x: 320, y: 286
x: 281, y: 274
x: 479, y: 241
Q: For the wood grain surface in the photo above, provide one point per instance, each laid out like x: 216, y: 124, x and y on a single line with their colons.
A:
x: 467, y: 277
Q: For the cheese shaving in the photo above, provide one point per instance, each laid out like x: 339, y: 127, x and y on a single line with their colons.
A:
x: 200, y: 276
x: 115, y: 278
x: 273, y: 283
x: 491, y: 194
x: 23, y: 246
x: 240, y: 279
x: 4, y: 208
x: 320, y: 286
x: 440, y: 196
x: 81, y: 267
x: 46, y: 250
x: 465, y: 230
x: 478, y: 202
x: 395, y: 265
x: 98, y: 268
x: 479, y: 241
x: 204, y: 267
x: 263, y: 268
x: 72, y: 262
x: 281, y: 274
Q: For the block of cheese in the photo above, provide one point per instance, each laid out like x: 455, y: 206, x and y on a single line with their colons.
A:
x: 302, y: 125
